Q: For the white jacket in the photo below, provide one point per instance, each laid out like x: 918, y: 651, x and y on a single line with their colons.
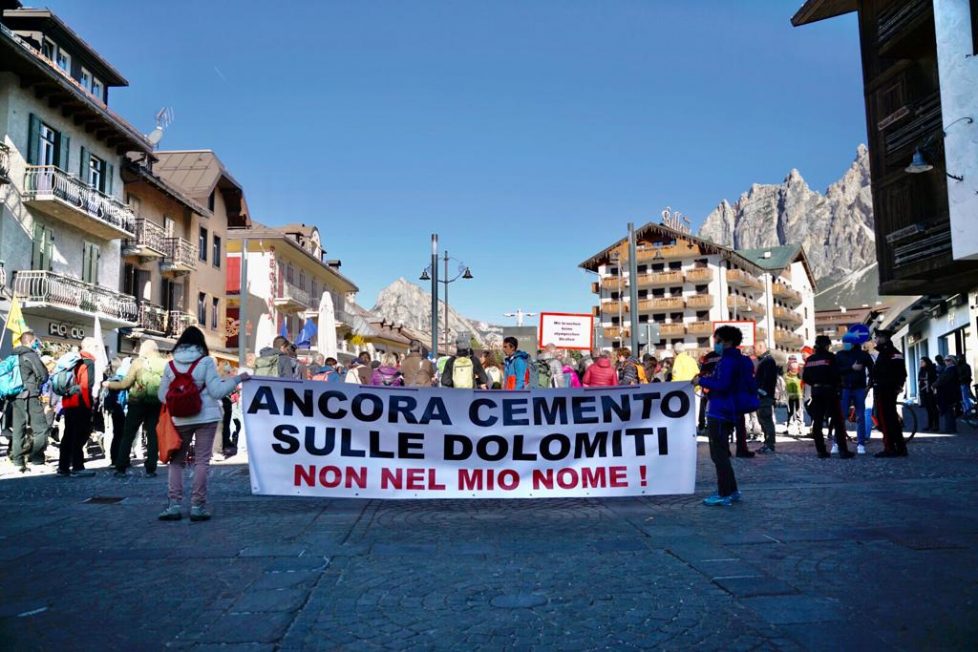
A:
x: 212, y: 387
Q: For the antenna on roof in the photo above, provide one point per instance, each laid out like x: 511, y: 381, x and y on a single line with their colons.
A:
x: 163, y: 119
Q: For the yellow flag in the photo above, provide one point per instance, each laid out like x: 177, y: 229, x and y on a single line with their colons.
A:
x: 15, y: 321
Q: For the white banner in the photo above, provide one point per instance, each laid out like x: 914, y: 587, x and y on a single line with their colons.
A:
x: 318, y: 439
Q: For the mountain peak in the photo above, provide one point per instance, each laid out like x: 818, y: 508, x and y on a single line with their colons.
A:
x: 835, y: 228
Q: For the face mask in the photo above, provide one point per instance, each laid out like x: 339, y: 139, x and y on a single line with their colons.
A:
x: 847, y: 346
x: 718, y: 347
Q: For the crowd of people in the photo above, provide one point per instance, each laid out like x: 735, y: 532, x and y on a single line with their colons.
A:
x: 740, y: 388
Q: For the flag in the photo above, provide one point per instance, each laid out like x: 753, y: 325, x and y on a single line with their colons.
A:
x: 309, y: 330
x: 284, y: 331
x: 15, y: 321
x: 101, y: 358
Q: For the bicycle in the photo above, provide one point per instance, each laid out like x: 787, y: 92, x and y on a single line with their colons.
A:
x: 906, y: 417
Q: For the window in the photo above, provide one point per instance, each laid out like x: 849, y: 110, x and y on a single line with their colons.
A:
x: 48, y: 152
x: 302, y: 280
x: 43, y: 247
x: 202, y: 245
x: 48, y: 48
x: 290, y: 274
x: 215, y: 309
x: 85, y: 79
x: 97, y: 88
x: 314, y: 290
x: 90, y: 261
x: 216, y: 253
x: 96, y: 172
x: 133, y: 202
x: 201, y: 308
x: 63, y: 60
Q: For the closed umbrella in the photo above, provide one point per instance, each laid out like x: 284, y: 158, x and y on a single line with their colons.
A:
x: 326, y: 335
x: 265, y: 333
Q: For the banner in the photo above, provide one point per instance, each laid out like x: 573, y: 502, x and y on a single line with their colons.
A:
x: 317, y: 439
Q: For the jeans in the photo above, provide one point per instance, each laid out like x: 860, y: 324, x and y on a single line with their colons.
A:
x: 28, y: 411
x: 720, y: 454
x: 966, y: 402
x: 202, y: 435
x: 147, y: 415
x: 856, y: 396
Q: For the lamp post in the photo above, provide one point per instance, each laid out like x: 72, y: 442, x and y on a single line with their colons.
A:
x: 431, y: 273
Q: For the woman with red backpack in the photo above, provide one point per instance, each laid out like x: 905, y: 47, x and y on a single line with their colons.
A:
x: 191, y: 390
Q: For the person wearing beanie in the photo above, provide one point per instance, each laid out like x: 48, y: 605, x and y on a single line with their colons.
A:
x: 822, y: 375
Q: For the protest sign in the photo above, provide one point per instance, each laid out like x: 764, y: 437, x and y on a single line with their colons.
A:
x: 567, y: 330
x: 317, y: 439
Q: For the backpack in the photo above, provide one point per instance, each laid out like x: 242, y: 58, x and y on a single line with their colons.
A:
x: 463, y: 373
x: 545, y: 376
x: 328, y: 376
x: 183, y: 396
x: 745, y: 395
x: 11, y: 381
x: 640, y: 372
x: 148, y: 379
x: 64, y: 379
x: 390, y: 380
x: 267, y: 365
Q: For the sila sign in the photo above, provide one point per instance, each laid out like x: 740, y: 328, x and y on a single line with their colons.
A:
x: 567, y: 330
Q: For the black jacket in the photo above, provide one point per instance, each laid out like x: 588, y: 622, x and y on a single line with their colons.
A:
x: 32, y: 370
x: 851, y: 378
x: 821, y: 370
x: 766, y: 375
x: 480, y: 380
x: 890, y: 370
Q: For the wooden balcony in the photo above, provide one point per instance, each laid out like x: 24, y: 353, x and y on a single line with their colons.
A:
x: 761, y: 334
x: 612, y: 307
x: 669, y: 252
x: 745, y: 308
x: 616, y: 333
x: 699, y: 275
x: 662, y: 304
x: 788, y: 339
x: 672, y: 330
x: 700, y: 328
x: 700, y: 302
x: 785, y: 293
x: 613, y: 283
x: 740, y: 278
x: 59, y: 195
x: 660, y: 279
x: 787, y: 316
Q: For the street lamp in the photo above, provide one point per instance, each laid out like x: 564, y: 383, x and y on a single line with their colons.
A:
x: 431, y: 273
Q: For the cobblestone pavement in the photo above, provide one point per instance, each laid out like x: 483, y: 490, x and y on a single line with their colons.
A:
x: 822, y: 554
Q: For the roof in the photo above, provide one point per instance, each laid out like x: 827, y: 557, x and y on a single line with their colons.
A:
x: 816, y: 10
x: 18, y: 19
x: 652, y: 228
x: 781, y: 257
x: 197, y: 172
x: 304, y: 229
x: 165, y: 187
x: 263, y: 232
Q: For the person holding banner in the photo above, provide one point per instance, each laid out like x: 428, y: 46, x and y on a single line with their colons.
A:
x: 728, y: 387
x: 191, y: 357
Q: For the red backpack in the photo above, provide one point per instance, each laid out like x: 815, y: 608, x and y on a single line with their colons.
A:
x: 183, y: 395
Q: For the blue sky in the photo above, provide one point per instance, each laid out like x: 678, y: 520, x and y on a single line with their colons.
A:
x: 526, y: 133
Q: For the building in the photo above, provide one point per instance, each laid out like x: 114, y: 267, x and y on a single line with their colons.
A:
x: 195, y: 269
x: 160, y: 259
x: 686, y: 284
x: 63, y: 216
x: 836, y: 322
x: 920, y: 76
x: 289, y: 279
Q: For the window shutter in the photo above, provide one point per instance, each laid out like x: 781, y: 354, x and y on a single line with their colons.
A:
x: 33, y: 140
x: 65, y: 151
x: 107, y: 178
x: 48, y: 249
x: 83, y: 166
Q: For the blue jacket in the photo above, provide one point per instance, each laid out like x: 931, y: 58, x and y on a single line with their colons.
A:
x: 516, y: 374
x: 726, y: 383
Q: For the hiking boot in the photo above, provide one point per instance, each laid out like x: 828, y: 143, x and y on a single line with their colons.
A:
x: 860, y: 449
x: 199, y: 513
x: 735, y: 496
x: 835, y: 449
x: 716, y: 500
x: 171, y: 513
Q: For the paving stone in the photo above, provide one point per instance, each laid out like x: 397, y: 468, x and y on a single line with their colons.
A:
x: 273, y: 551
x: 270, y: 600
x: 834, y: 636
x: 247, y: 628
x: 747, y: 538
x: 286, y: 580
x: 747, y: 587
x: 404, y: 549
x: 304, y: 563
x: 795, y: 609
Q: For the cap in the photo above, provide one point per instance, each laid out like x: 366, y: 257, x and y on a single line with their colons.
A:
x: 463, y: 341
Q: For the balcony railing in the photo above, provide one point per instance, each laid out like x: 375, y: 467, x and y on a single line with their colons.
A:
x: 787, y: 316
x: 744, y: 306
x: 152, y: 318
x: 150, y: 240
x: 616, y: 333
x: 612, y: 307
x: 668, y: 252
x: 785, y: 293
x: 177, y: 322
x: 700, y: 328
x: 672, y: 330
x: 67, y: 198
x: 788, y: 339
x: 699, y: 275
x: 661, y: 304
x: 660, y: 279
x: 613, y: 282
x: 179, y: 255
x: 700, y: 301
x: 68, y: 294
x: 743, y: 279
x: 291, y: 297
x: 4, y: 164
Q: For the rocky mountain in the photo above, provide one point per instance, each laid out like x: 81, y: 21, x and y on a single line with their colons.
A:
x: 835, y: 228
x: 849, y: 290
x: 405, y: 302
